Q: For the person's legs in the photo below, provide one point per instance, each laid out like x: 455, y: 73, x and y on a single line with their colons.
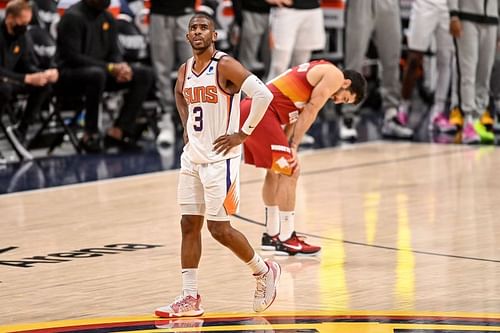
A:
x: 137, y: 91
x: 310, y: 35
x: 188, y: 304
x: 252, y: 31
x: 36, y: 97
x: 190, y: 197
x: 486, y: 58
x: 388, y: 42
x: 93, y: 81
x: 283, y: 32
x: 288, y: 243
x: 287, y: 186
x: 271, y: 207
x: 190, y: 252
x: 163, y: 55
x: 221, y: 184
x: 359, y: 25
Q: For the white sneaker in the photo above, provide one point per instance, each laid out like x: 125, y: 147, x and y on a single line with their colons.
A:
x: 182, y: 306
x: 167, y: 131
x: 267, y: 285
x: 347, y: 131
x: 392, y: 128
x: 307, y: 140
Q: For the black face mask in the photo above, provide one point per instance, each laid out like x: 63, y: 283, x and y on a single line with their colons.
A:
x: 19, y: 30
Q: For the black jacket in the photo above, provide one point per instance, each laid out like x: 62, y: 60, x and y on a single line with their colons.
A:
x: 86, y: 37
x: 15, y: 54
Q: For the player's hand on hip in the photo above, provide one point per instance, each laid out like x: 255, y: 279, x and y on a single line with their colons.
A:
x: 224, y: 143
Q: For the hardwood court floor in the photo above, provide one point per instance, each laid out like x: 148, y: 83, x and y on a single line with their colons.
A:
x: 403, y: 227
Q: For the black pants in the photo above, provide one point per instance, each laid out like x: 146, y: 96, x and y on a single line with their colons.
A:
x: 36, y: 97
x: 91, y: 82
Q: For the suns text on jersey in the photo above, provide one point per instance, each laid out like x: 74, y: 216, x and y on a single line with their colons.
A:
x: 201, y: 94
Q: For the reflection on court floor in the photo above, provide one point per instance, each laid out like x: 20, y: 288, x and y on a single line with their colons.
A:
x: 321, y: 322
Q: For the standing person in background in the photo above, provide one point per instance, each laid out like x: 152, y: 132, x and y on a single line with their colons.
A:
x: 474, y: 27
x: 207, y: 94
x: 495, y: 85
x: 299, y: 94
x: 168, y: 28
x: 380, y: 18
x: 254, y: 37
x: 296, y: 31
x: 429, y: 19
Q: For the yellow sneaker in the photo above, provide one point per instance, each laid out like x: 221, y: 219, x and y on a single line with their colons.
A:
x: 486, y: 119
x: 456, y: 117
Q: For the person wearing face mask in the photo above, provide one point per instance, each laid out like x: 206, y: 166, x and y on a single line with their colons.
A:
x: 90, y: 62
x: 18, y: 74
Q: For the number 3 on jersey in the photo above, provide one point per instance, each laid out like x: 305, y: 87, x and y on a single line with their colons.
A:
x: 198, y: 118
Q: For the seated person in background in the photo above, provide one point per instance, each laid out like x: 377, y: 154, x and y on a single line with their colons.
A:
x: 90, y: 63
x: 18, y: 74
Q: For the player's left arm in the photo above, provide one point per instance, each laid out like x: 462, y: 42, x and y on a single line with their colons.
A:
x: 234, y: 77
x: 330, y: 82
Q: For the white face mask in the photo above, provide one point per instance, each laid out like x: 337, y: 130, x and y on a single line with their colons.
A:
x: 136, y: 7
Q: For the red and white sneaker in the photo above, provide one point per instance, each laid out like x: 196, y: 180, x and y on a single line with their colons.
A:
x: 295, y: 245
x: 267, y: 285
x: 182, y: 306
x: 269, y: 242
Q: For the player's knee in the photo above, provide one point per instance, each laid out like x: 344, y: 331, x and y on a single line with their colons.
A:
x: 219, y: 230
x: 191, y: 224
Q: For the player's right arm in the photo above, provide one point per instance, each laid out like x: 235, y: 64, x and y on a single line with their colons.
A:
x: 330, y: 79
x: 180, y: 102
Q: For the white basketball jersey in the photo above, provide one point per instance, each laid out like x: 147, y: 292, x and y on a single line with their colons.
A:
x: 211, y: 112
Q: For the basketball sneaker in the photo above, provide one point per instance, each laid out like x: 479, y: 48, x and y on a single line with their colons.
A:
x: 295, y: 245
x: 469, y: 134
x: 485, y: 132
x: 347, y: 129
x: 402, y: 117
x: 487, y: 120
x: 456, y: 117
x: 393, y: 129
x: 441, y: 123
x: 182, y: 306
x: 269, y: 242
x: 267, y: 285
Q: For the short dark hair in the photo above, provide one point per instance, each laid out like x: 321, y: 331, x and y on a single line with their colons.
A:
x: 202, y: 15
x: 15, y: 7
x: 358, y: 84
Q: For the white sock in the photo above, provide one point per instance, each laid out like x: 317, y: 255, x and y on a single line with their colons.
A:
x: 287, y: 224
x: 272, y: 220
x: 257, y: 265
x: 190, y: 282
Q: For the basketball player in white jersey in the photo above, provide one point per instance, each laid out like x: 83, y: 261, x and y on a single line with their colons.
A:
x: 207, y: 96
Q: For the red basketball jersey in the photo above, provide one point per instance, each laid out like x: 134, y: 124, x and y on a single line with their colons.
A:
x: 292, y: 91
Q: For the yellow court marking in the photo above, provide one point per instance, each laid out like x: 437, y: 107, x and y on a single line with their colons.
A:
x: 347, y: 327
